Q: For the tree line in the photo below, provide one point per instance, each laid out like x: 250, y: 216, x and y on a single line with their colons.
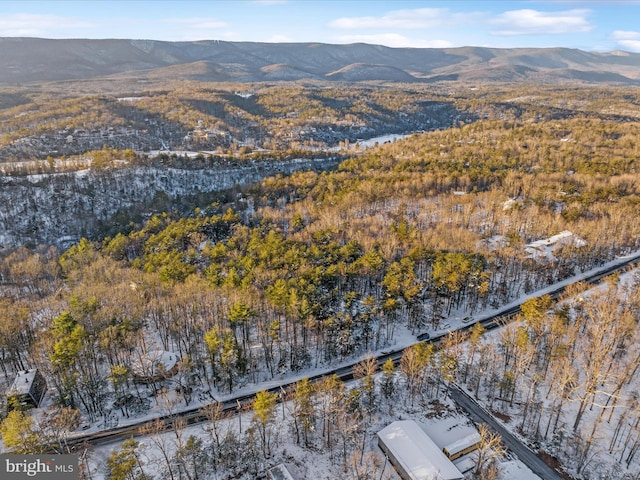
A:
x: 327, y: 418
x: 324, y: 267
x: 568, y: 373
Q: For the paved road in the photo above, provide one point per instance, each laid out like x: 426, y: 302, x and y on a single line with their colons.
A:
x: 194, y: 416
x: 524, y: 453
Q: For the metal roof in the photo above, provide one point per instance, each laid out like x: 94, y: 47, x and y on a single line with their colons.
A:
x: 418, y: 455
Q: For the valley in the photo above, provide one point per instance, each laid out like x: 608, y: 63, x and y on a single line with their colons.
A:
x: 185, y: 233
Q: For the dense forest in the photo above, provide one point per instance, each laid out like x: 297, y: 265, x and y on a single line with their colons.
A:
x: 227, y: 118
x: 47, y: 120
x: 307, y: 270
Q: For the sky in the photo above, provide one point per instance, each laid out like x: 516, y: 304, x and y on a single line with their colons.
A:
x: 587, y: 25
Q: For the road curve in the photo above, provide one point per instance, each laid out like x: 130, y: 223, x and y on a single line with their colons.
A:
x: 524, y: 453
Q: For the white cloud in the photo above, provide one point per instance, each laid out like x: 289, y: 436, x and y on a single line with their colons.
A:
x: 28, y: 24
x: 393, y: 40
x: 625, y: 35
x: 406, y: 19
x: 534, y: 22
x: 627, y: 40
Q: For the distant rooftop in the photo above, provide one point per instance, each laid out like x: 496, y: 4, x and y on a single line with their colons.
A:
x: 154, y: 362
x: 544, y: 249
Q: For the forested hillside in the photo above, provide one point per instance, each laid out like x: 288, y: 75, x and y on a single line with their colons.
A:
x: 107, y: 191
x: 330, y: 262
x: 37, y: 122
x: 317, y: 267
x: 81, y: 163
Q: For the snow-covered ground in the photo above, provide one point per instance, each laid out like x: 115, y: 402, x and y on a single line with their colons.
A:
x: 516, y: 470
x: 169, y: 401
x: 73, y: 204
x: 439, y: 419
x: 315, y: 462
x: 604, y: 460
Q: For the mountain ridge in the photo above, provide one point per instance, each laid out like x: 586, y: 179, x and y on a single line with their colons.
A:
x: 37, y: 60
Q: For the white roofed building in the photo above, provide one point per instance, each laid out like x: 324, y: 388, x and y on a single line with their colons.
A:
x: 154, y: 365
x: 544, y: 249
x: 462, y: 446
x: 27, y: 390
x: 414, y: 455
x: 454, y: 435
x: 282, y: 472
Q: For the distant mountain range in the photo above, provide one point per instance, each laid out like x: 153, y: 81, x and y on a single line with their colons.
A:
x: 35, y: 60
